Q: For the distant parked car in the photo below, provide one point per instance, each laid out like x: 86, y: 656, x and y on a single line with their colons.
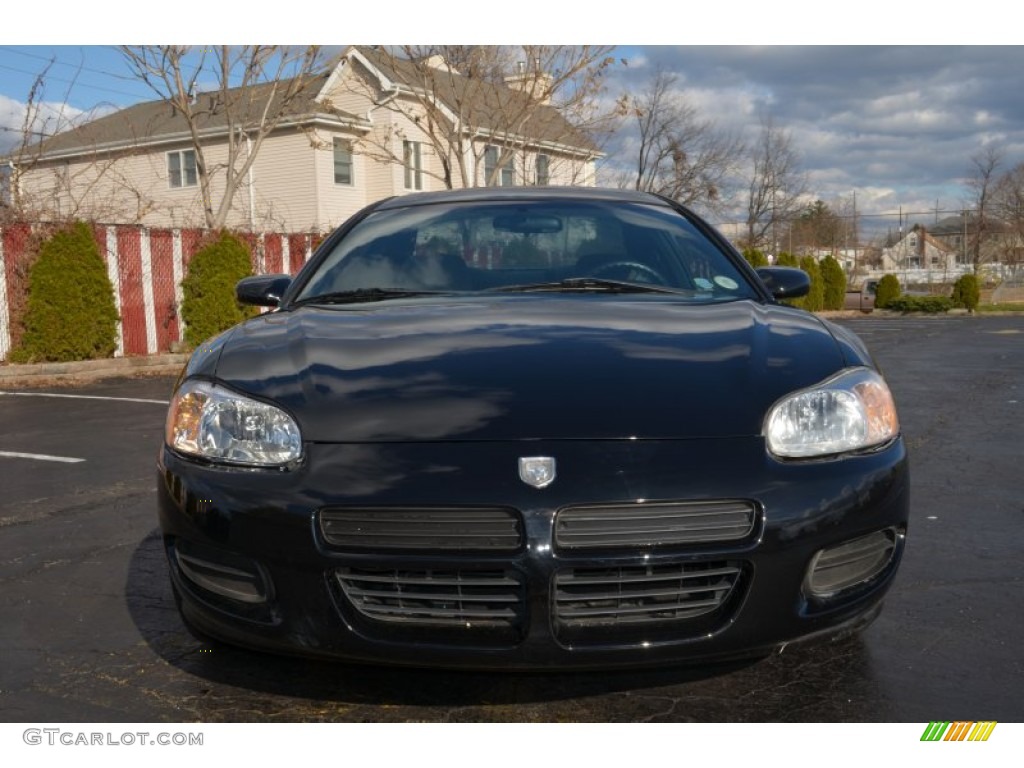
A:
x: 862, y: 297
x: 531, y: 427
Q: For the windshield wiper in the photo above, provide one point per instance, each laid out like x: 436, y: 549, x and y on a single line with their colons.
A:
x: 361, y: 295
x: 583, y: 285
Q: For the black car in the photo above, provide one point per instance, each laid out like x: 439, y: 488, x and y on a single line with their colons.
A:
x: 530, y: 428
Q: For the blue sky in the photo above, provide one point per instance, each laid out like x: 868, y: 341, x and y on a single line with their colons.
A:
x: 896, y: 125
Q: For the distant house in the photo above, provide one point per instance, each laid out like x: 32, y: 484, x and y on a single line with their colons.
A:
x: 919, y: 249
x: 999, y: 244
x: 342, y: 145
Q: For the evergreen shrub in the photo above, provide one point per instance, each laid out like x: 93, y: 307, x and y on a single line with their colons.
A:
x: 834, y: 282
x: 208, y: 304
x: 70, y: 311
x: 967, y: 292
x: 887, y: 290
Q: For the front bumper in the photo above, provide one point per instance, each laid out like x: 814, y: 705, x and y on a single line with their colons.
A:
x: 505, y: 606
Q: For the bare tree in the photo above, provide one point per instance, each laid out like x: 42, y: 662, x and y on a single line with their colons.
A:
x: 487, y: 106
x: 982, y: 183
x: 679, y: 155
x: 1007, y: 204
x: 818, y: 226
x: 258, y: 87
x: 37, y: 123
x: 35, y: 189
x: 777, y: 184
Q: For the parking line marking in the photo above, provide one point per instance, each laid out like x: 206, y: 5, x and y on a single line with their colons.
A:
x: 87, y: 397
x: 40, y: 457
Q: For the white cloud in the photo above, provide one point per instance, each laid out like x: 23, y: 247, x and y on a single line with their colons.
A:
x: 47, y: 118
x: 898, y: 124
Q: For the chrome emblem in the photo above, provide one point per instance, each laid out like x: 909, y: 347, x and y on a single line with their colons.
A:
x: 538, y: 471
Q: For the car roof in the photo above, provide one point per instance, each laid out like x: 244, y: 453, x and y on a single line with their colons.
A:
x: 555, y: 194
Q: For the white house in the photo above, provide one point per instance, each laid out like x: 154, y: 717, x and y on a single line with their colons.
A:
x: 372, y: 127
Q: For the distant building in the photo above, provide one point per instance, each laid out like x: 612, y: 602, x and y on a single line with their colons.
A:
x: 919, y: 249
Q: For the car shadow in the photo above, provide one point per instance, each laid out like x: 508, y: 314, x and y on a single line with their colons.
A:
x: 151, y: 606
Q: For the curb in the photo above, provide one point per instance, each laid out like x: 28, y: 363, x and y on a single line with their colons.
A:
x: 83, y: 371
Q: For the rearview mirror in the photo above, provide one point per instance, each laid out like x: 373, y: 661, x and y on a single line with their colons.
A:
x: 527, y: 224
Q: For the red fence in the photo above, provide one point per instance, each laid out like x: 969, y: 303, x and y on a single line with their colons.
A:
x: 146, y: 267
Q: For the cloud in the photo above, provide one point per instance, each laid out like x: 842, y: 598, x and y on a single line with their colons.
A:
x: 896, y: 124
x: 47, y: 119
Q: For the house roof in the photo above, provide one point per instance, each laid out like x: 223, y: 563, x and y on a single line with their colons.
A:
x: 923, y: 237
x: 956, y: 225
x: 156, y: 121
x: 482, y: 105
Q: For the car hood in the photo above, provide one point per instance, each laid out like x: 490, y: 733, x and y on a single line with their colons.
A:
x: 528, y: 367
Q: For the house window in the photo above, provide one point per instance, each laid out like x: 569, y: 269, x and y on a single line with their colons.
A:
x: 412, y: 155
x: 343, y: 162
x: 490, y: 163
x: 505, y: 177
x: 6, y: 197
x: 543, y: 174
x: 181, y: 168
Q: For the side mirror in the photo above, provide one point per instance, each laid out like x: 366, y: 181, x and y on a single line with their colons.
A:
x: 785, y: 282
x: 262, y: 290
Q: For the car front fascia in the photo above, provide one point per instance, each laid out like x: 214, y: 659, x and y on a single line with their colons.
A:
x: 272, y: 518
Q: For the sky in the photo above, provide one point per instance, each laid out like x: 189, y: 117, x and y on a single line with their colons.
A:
x: 891, y: 124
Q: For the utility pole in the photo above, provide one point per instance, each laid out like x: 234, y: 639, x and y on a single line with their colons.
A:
x: 856, y: 235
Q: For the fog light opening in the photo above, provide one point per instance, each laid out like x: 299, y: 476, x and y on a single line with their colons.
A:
x: 230, y: 576
x: 835, y: 569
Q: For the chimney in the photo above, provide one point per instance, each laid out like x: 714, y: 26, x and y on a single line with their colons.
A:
x: 535, y: 83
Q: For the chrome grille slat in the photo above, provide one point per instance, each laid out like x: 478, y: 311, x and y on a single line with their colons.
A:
x: 665, y: 592
x: 639, y: 512
x: 653, y: 524
x: 690, y: 609
x: 357, y: 593
x: 459, y: 616
x: 653, y: 594
x: 423, y: 528
x: 435, y: 597
x: 574, y: 577
x: 437, y: 581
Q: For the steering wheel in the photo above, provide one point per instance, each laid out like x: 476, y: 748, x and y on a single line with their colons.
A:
x: 630, y: 266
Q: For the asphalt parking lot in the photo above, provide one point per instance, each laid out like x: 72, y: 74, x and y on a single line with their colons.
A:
x: 89, y: 631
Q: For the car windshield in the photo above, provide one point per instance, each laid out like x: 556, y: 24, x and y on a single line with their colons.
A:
x: 523, y: 246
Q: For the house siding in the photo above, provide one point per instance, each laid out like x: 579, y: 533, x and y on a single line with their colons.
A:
x: 336, y: 202
x: 284, y: 185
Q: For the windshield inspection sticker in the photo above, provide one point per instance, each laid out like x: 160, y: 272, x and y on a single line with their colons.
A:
x: 727, y: 282
x: 703, y: 283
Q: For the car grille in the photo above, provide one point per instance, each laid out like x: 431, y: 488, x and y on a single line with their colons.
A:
x: 439, y: 598
x: 639, y: 597
x: 653, y: 525
x: 425, y: 529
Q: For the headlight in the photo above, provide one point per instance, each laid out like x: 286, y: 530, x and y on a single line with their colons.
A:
x: 215, y: 423
x: 848, y: 412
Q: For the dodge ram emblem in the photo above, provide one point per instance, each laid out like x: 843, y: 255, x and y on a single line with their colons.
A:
x: 538, y: 471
